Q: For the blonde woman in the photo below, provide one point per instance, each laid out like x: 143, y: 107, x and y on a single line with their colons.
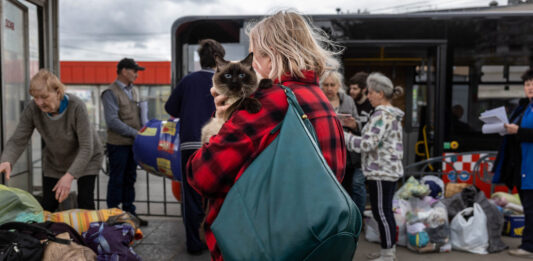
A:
x: 381, y: 147
x: 288, y: 51
x: 72, y: 149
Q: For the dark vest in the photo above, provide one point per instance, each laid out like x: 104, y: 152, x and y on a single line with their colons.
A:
x: 128, y: 112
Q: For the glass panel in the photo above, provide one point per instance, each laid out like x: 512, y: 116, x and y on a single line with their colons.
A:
x: 492, y: 73
x: 33, y: 22
x: 486, y: 91
x: 515, y: 73
x: 90, y: 96
x: 234, y: 52
x: 460, y: 73
x: 156, y: 96
x: 14, y: 75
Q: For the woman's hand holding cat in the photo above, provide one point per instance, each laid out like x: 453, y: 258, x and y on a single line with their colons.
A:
x: 220, y: 103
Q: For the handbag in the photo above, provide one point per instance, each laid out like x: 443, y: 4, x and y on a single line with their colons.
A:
x: 72, y: 252
x: 288, y: 204
x: 18, y: 243
x: 59, y: 228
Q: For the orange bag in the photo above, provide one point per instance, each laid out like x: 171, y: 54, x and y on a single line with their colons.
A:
x: 454, y: 188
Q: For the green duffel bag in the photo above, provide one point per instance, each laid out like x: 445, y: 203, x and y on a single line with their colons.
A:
x: 288, y: 204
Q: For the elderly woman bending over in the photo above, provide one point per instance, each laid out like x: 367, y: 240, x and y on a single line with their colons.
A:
x: 72, y: 149
x: 381, y: 147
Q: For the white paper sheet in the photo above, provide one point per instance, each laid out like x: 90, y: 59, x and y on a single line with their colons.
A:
x: 494, y: 121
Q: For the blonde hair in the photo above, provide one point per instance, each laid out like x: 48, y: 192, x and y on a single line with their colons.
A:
x: 293, y: 45
x: 336, y: 76
x: 45, y: 78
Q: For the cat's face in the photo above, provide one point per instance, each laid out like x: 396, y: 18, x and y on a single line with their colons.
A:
x: 235, y: 79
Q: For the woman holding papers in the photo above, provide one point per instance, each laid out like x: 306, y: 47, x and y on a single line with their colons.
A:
x: 513, y: 165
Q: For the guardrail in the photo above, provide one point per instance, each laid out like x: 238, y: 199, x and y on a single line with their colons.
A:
x: 154, y: 187
x: 479, y: 173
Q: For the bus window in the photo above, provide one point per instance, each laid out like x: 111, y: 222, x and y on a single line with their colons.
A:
x: 234, y: 52
x: 490, y: 86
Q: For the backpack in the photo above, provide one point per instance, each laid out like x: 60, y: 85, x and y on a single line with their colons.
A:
x: 17, y: 241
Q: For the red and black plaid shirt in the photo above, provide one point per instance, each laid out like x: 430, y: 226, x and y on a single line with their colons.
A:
x: 215, y: 167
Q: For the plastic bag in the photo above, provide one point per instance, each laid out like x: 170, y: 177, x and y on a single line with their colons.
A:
x: 371, y: 227
x: 412, y: 188
x: 427, y: 227
x: 18, y: 205
x: 470, y: 234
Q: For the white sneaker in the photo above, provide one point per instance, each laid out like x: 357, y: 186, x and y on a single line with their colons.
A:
x: 385, y: 255
x: 521, y: 253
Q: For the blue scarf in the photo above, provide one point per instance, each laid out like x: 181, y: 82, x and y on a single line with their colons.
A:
x: 63, y: 105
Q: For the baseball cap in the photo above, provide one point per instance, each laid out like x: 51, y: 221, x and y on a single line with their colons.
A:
x: 128, y: 63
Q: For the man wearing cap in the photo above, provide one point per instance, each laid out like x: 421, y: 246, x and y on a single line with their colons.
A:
x: 122, y: 116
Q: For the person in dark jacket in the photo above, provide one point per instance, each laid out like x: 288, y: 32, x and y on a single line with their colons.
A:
x: 513, y: 165
x: 191, y: 101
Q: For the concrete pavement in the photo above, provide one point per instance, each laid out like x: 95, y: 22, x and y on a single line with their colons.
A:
x: 164, y: 239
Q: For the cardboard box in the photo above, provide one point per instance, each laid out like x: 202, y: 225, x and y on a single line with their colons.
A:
x: 513, y: 225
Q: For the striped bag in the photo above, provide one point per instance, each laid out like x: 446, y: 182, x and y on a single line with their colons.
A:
x: 80, y: 219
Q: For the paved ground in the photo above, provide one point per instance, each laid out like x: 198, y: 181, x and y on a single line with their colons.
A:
x: 164, y: 239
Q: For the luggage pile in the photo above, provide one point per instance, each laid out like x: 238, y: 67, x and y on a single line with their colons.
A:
x: 29, y: 233
x: 434, y: 217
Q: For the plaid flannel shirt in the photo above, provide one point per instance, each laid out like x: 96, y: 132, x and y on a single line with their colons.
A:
x: 215, y: 167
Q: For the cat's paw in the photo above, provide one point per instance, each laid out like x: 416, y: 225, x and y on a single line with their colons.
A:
x: 252, y: 105
x: 265, y: 84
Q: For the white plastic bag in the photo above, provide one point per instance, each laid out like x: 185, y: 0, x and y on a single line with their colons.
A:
x: 371, y: 227
x: 470, y: 235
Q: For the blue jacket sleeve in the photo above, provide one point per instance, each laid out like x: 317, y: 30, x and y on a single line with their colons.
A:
x: 173, y: 104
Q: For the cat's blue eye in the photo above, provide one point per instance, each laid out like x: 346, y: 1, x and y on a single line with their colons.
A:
x: 227, y: 75
x: 241, y: 75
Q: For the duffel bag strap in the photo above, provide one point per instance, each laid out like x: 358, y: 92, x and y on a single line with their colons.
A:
x: 291, y: 99
x: 20, y: 227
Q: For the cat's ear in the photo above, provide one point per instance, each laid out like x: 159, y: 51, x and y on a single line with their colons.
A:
x: 220, y: 62
x: 248, y: 60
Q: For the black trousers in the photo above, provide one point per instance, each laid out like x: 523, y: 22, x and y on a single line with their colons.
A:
x: 191, y: 206
x: 85, y: 193
x: 381, y: 193
x: 526, y: 197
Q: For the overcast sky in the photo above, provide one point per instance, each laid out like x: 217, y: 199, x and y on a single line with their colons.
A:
x: 107, y: 30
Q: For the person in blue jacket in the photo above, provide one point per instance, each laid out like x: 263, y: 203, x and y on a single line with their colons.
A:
x: 514, y: 163
x: 191, y: 101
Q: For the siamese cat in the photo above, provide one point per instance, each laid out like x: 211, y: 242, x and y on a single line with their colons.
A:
x: 237, y: 81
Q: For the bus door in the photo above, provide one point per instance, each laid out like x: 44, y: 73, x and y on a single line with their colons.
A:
x: 417, y: 66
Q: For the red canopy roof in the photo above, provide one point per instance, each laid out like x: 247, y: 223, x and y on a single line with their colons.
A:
x: 89, y: 72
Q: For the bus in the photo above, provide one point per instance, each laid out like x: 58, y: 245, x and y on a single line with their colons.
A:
x: 452, y: 65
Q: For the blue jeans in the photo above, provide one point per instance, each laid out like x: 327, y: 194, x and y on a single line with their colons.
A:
x: 122, y: 177
x: 358, y: 192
